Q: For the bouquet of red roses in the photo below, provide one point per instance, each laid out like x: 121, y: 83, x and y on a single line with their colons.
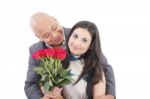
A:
x: 51, y: 69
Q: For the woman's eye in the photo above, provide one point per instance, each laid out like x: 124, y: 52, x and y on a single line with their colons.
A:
x: 75, y: 36
x: 84, y: 40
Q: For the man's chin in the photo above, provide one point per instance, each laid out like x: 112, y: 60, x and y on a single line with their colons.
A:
x: 57, y: 44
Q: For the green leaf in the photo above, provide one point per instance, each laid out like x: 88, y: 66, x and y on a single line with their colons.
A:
x: 53, y: 80
x: 50, y: 82
x: 68, y: 78
x: 52, y: 73
x: 39, y: 70
x: 47, y: 69
x: 60, y: 68
x: 43, y: 78
x: 64, y: 82
x: 59, y: 80
x: 46, y: 86
x: 63, y: 73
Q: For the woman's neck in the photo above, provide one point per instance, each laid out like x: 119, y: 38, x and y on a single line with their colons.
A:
x: 76, y: 56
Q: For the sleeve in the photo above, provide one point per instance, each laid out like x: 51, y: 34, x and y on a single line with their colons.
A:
x: 110, y: 78
x: 31, y: 88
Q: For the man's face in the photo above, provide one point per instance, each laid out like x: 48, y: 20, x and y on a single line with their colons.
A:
x: 51, y: 33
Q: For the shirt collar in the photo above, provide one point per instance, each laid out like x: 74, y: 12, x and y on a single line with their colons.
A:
x: 73, y: 57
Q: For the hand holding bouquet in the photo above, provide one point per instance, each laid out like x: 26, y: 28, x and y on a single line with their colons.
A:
x: 51, y: 69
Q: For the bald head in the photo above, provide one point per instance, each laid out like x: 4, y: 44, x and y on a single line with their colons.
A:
x: 41, y: 21
x: 47, y: 28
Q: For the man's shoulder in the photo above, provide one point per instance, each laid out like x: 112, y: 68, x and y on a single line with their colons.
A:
x: 65, y: 28
x: 66, y: 31
x: 104, y: 62
x: 103, y: 59
x: 37, y: 45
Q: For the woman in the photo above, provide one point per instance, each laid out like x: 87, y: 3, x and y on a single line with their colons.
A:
x: 84, y: 53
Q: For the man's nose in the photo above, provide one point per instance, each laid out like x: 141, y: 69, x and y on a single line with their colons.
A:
x: 57, y: 37
x: 55, y: 34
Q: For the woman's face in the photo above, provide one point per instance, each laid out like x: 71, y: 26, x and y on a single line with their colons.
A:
x: 79, y: 41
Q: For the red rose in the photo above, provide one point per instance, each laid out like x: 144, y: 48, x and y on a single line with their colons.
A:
x: 39, y: 54
x: 60, y: 54
x: 49, y: 52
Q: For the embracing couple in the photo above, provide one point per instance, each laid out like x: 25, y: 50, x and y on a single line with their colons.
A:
x: 93, y: 77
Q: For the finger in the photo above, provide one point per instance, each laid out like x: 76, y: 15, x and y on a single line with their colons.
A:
x: 57, y: 91
x: 59, y: 97
x: 50, y: 95
x: 45, y: 97
x: 57, y: 88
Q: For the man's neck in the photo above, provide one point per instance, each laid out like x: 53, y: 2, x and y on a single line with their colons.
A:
x: 57, y: 46
x: 62, y: 45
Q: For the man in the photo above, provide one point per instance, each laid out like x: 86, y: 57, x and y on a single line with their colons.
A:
x: 51, y: 34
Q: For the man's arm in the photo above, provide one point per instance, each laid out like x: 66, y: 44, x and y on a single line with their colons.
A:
x: 110, y: 80
x: 32, y: 89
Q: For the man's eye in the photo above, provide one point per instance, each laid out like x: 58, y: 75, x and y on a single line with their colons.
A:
x: 46, y: 36
x: 54, y: 27
x: 60, y: 31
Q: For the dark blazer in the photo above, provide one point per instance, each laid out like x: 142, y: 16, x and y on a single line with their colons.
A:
x: 32, y: 89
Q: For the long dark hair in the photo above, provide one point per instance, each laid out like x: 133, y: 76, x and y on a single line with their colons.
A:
x: 92, y: 68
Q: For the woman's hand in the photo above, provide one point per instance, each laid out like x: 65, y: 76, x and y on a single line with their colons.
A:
x: 53, y: 94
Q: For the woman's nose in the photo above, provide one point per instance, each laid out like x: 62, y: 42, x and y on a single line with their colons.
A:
x: 77, y: 43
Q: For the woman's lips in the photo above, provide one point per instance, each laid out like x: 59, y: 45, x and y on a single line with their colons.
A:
x: 75, y: 48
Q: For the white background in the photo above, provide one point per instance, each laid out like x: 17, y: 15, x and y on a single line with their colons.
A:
x: 124, y: 27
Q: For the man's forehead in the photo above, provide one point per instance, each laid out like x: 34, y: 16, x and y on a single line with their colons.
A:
x: 42, y: 19
x: 43, y: 23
